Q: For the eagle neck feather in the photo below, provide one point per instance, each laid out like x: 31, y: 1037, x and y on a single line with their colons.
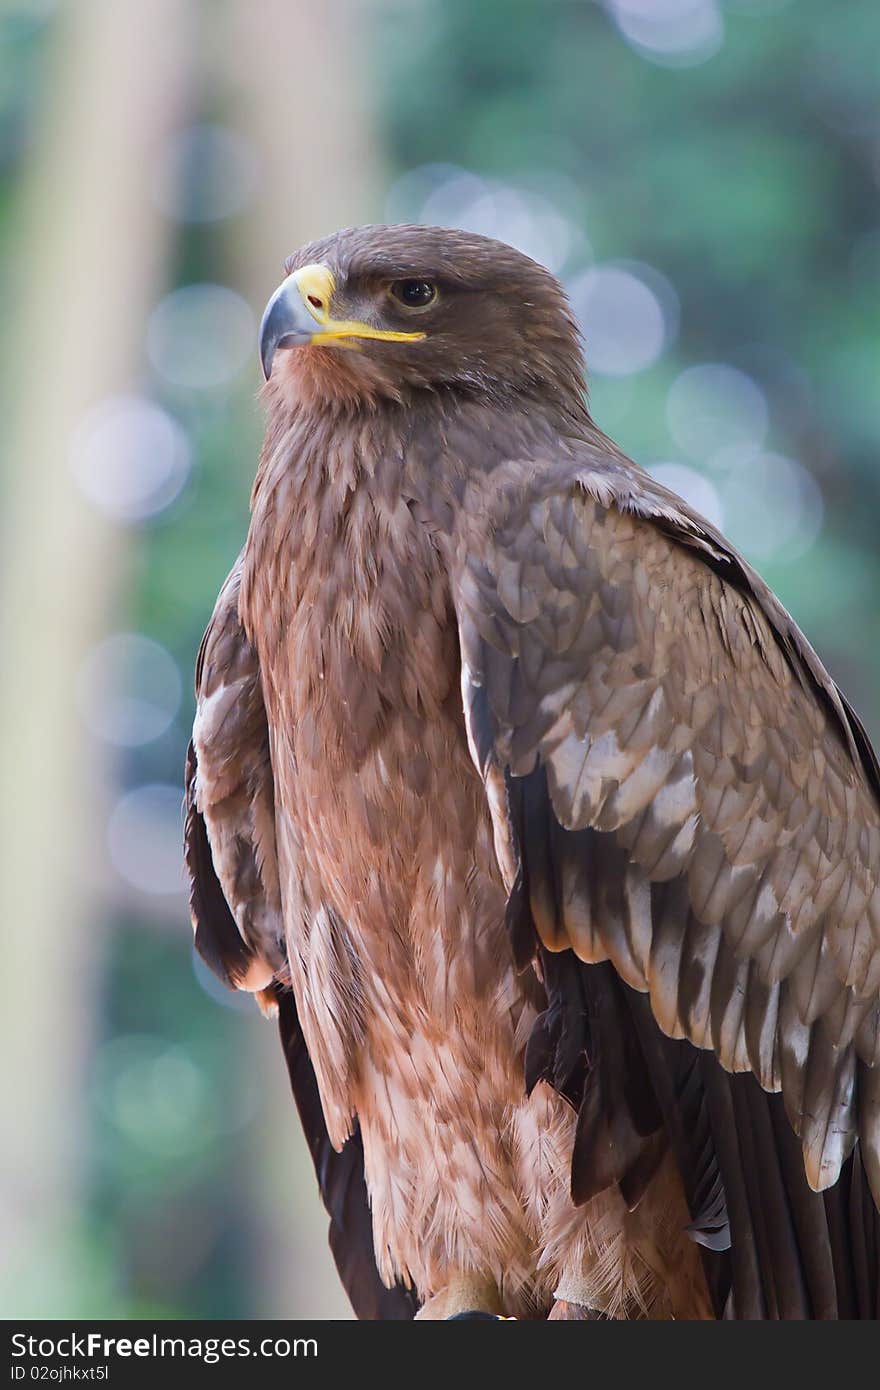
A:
x: 353, y: 492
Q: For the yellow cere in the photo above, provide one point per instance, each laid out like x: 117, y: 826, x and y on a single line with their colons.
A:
x: 317, y: 283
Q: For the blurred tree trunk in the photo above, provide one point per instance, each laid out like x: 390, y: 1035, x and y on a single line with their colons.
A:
x: 303, y: 86
x: 90, y: 260
x: 302, y: 76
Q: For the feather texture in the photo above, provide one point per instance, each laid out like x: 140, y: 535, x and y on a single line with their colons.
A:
x: 229, y: 831
x: 687, y: 721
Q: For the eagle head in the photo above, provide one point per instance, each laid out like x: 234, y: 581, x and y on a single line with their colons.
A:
x: 381, y: 312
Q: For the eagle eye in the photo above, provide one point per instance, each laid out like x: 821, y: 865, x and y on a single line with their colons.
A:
x: 414, y: 294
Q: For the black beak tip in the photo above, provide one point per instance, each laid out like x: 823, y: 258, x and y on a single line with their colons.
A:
x: 270, y: 345
x: 278, y: 329
x: 270, y: 336
x: 267, y: 356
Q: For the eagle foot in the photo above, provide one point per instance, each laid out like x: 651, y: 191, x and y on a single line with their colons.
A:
x: 465, y: 1296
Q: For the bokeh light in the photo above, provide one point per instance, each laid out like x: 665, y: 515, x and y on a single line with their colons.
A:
x: 713, y: 406
x: 694, y: 487
x: 773, y: 506
x: 625, y: 329
x: 217, y: 992
x: 443, y: 195
x: 759, y: 9
x: 201, y: 336
x: 128, y: 690
x: 155, y: 1095
x: 673, y: 33
x: 144, y: 837
x: 130, y: 457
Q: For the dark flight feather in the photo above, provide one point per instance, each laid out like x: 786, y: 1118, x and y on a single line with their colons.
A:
x: 217, y: 938
x: 341, y: 1182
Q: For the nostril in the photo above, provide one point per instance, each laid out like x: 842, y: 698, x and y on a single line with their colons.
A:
x: 315, y: 302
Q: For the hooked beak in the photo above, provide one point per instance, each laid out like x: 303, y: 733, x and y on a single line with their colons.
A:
x: 299, y: 313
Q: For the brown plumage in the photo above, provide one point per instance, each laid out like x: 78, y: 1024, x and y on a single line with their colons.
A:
x: 558, y: 846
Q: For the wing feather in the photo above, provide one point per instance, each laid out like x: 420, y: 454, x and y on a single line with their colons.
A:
x: 614, y: 640
x: 236, y: 912
x: 230, y: 811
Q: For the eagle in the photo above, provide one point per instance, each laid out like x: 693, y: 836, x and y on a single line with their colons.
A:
x: 520, y: 801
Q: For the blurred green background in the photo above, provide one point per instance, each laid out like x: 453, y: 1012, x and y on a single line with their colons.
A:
x: 703, y: 174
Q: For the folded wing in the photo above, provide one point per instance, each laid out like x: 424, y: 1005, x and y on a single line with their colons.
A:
x: 236, y: 911
x: 677, y: 785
